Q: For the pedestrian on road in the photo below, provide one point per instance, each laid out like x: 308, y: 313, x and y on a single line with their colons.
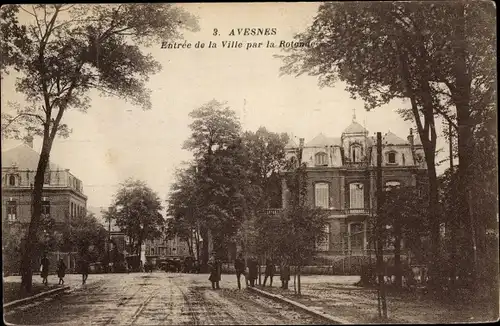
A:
x: 284, y: 274
x: 215, y: 271
x: 239, y: 266
x: 269, y: 272
x: 44, y: 272
x: 61, y: 270
x: 252, y: 270
x: 84, y: 267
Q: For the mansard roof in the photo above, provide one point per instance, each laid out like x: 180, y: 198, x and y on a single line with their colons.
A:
x: 354, y: 128
x: 392, y: 139
x: 321, y: 141
x: 24, y: 158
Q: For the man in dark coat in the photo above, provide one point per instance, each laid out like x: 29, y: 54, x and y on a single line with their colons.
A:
x: 270, y: 270
x: 215, y: 272
x: 252, y: 271
x: 61, y: 270
x: 84, y: 267
x: 284, y: 274
x: 239, y: 266
x: 44, y: 273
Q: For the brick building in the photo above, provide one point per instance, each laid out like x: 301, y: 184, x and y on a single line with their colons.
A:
x: 62, y: 197
x: 341, y: 179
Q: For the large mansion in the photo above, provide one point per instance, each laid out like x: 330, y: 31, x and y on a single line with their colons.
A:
x: 341, y: 175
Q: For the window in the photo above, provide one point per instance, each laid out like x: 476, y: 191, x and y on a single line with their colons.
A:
x: 321, y: 159
x: 356, y: 236
x: 11, y: 210
x: 324, y: 243
x: 321, y: 195
x: 152, y: 251
x: 391, y: 157
x: 356, y: 197
x: 72, y: 212
x: 389, y: 185
x: 403, y: 159
x: 356, y: 153
x: 46, y: 208
x: 46, y: 178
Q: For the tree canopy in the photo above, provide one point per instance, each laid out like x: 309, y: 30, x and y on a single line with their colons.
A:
x: 137, y: 212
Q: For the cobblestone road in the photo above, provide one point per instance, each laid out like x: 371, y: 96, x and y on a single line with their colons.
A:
x: 157, y: 299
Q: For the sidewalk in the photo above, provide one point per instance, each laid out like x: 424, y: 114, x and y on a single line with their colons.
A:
x: 11, y: 285
x: 337, y: 296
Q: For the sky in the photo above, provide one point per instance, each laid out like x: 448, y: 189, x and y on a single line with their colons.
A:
x: 116, y: 140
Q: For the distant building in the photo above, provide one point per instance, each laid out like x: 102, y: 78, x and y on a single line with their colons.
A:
x: 62, y: 198
x: 118, y: 238
x: 162, y: 248
x: 341, y: 180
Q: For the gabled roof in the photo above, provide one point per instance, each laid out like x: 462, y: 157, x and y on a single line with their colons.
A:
x: 354, y: 128
x: 24, y: 158
x: 321, y: 141
x: 416, y: 139
x: 392, y: 139
x: 291, y: 143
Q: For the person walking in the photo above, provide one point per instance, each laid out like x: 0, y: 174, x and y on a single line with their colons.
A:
x: 239, y: 266
x: 215, y: 272
x: 284, y: 275
x: 61, y: 270
x: 44, y: 272
x: 269, y: 272
x: 252, y: 271
x: 84, y: 267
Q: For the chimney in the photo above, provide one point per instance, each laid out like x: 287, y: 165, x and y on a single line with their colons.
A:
x: 410, y: 138
x: 28, y: 140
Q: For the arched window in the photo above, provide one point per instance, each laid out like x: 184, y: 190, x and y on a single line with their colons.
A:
x: 356, y: 236
x: 321, y: 195
x: 321, y: 159
x: 356, y: 196
x: 356, y: 153
x: 391, y: 157
x: 12, y: 180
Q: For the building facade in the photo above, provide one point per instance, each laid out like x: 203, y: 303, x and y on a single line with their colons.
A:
x: 62, y: 198
x: 341, y: 179
x: 159, y: 249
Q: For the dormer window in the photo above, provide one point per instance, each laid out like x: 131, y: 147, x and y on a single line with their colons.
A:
x: 356, y: 153
x: 391, y: 157
x: 321, y: 159
x: 12, y: 180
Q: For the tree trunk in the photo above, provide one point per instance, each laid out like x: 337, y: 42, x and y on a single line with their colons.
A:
x: 461, y: 96
x: 397, y: 254
x: 205, y: 253
x: 31, y: 237
x: 299, y: 291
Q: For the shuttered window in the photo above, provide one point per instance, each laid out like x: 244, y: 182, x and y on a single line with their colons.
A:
x: 356, y: 196
x: 321, y: 194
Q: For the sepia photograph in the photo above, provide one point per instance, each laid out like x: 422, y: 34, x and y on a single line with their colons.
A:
x: 250, y: 163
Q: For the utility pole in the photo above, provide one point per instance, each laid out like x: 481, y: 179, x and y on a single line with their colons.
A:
x: 382, y: 304
x: 109, y: 244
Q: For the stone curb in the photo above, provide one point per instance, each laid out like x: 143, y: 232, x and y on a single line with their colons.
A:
x: 309, y: 310
x: 34, y: 297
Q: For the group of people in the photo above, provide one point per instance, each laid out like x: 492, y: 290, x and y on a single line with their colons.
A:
x: 61, y: 269
x: 250, y: 270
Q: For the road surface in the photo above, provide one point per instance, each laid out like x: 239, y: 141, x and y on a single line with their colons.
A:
x: 157, y: 298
